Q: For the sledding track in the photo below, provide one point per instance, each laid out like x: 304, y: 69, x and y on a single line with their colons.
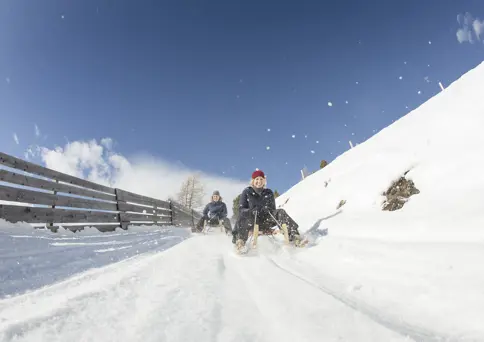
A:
x: 199, y: 290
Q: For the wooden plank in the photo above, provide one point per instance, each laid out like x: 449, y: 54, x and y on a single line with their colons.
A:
x: 180, y: 208
x: 127, y: 217
x: 166, y: 223
x: 102, y: 228
x: 126, y: 196
x: 8, y: 193
x: 16, y: 178
x: 181, y: 218
x: 122, y: 206
x: 14, y: 214
x: 26, y: 166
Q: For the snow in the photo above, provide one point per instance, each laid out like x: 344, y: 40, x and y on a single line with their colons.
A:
x: 419, y: 264
x: 369, y: 275
x: 195, y: 291
x: 32, y: 258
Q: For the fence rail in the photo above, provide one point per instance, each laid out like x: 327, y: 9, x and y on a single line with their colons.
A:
x: 52, y: 198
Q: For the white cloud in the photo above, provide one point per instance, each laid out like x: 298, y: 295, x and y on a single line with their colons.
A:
x: 470, y: 29
x: 478, y: 27
x: 145, y: 175
x: 15, y: 137
x: 464, y: 35
x: 107, y: 142
x: 31, y: 151
x: 37, y: 130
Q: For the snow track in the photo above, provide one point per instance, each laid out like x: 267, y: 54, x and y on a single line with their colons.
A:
x: 385, y: 319
x: 198, y: 290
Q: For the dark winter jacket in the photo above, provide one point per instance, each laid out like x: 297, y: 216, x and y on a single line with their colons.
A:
x: 251, y: 199
x: 218, y: 209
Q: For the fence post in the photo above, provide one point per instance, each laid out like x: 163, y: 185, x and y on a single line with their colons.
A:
x: 172, y: 215
x: 51, y: 224
x: 122, y: 224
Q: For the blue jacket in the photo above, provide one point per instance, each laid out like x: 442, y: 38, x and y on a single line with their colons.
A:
x: 218, y: 209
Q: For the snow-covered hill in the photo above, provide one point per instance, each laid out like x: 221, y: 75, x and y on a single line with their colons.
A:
x: 439, y: 143
x: 422, y: 263
x: 413, y: 274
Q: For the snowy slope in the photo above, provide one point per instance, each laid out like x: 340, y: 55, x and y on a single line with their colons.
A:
x: 411, y: 275
x: 422, y: 263
x: 439, y: 142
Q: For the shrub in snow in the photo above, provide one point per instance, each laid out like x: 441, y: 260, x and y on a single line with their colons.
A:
x: 323, y: 164
x: 340, y: 204
x: 398, y: 193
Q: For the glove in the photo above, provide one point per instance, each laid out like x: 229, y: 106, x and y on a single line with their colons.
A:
x: 257, y: 209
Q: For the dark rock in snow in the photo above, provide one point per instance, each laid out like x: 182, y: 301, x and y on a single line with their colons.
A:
x: 398, y: 194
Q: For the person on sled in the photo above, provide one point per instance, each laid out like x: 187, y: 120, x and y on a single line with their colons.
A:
x: 257, y: 200
x: 214, y: 213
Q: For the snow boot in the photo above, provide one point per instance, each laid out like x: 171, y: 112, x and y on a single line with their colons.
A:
x: 298, y: 241
x: 240, y: 246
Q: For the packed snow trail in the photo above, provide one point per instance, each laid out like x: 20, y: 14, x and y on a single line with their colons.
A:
x: 198, y: 290
x: 32, y: 258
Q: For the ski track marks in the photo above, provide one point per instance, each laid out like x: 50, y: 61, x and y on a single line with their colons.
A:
x: 199, y: 290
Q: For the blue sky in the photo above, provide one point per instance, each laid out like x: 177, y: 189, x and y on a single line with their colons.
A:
x: 200, y: 83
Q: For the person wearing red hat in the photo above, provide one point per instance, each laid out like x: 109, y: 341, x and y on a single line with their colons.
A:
x: 257, y: 200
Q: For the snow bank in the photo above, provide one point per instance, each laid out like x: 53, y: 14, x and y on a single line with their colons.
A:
x: 420, y: 264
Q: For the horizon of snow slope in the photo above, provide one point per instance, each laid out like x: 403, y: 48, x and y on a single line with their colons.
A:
x: 420, y: 264
x: 409, y: 275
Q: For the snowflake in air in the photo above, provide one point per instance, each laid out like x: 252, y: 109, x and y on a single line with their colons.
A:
x: 330, y: 104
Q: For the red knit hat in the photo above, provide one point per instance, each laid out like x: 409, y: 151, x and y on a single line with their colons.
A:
x: 258, y: 173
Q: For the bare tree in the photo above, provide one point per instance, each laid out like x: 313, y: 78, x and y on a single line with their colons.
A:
x: 191, y: 192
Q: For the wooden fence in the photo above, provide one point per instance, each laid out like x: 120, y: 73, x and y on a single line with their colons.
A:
x: 50, y: 198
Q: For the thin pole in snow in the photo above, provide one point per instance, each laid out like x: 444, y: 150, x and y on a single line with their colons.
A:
x: 441, y: 86
x: 351, y: 144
